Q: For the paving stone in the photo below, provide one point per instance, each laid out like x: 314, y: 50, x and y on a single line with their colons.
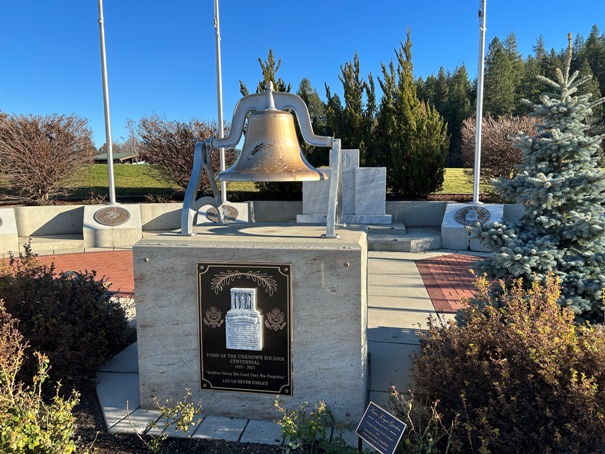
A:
x: 221, y: 428
x: 126, y: 361
x: 118, y: 395
x: 138, y: 421
x: 172, y: 431
x: 265, y: 432
x: 390, y: 364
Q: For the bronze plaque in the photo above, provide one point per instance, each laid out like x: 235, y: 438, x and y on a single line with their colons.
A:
x: 245, y: 327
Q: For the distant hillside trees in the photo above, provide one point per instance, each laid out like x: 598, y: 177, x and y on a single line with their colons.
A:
x: 510, y: 77
x: 360, y: 115
x: 38, y: 154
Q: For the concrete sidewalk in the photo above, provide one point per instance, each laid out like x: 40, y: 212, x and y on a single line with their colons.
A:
x: 398, y: 307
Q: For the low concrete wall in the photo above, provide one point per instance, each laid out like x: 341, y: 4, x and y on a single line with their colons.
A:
x: 49, y: 220
x: 69, y: 219
x: 161, y: 216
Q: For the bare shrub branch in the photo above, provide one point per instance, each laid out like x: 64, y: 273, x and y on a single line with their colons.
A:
x: 498, y: 156
x: 170, y: 144
x: 38, y: 154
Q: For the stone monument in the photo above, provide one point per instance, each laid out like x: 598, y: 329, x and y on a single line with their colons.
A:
x: 238, y: 313
x: 363, y: 194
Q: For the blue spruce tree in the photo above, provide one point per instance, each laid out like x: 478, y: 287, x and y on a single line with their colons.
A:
x: 563, y: 190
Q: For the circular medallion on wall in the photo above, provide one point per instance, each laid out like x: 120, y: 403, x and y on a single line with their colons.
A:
x: 0, y: 222
x: 472, y: 214
x: 111, y: 216
x: 229, y: 212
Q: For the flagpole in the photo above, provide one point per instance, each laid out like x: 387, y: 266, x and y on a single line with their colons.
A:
x: 479, y: 115
x: 108, y: 142
x: 219, y: 92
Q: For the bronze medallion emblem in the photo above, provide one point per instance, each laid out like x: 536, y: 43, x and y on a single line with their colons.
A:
x: 112, y: 216
x: 472, y: 214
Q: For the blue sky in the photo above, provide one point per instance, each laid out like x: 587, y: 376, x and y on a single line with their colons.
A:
x: 161, y: 54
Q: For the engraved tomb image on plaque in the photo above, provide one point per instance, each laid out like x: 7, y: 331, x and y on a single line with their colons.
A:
x: 245, y: 327
x: 244, y: 324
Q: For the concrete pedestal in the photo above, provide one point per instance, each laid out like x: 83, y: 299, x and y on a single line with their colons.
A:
x: 455, y: 235
x: 328, y: 304
x: 112, y: 226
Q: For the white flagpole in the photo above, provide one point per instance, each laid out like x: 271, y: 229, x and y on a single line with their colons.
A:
x: 219, y: 92
x: 479, y: 115
x: 108, y: 142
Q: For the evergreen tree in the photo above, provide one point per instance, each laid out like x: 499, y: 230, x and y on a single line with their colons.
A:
x: 450, y: 93
x: 563, y: 190
x: 269, y: 69
x: 529, y: 87
x: 358, y: 120
x: 369, y: 121
x: 499, y: 85
x: 590, y: 87
x: 317, y: 113
x: 334, y: 114
x: 539, y: 49
x: 426, y: 89
x: 594, y: 52
x: 457, y: 109
x: 516, y: 60
x: 411, y: 135
x: 441, y: 91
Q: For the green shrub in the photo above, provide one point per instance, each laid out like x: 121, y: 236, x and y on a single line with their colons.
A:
x: 70, y: 318
x: 27, y: 423
x: 519, y: 375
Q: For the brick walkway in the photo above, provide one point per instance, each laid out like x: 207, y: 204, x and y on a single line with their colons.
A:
x: 116, y: 266
x: 448, y: 279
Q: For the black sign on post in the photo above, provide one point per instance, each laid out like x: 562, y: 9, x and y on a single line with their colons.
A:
x: 245, y: 327
x: 380, y: 429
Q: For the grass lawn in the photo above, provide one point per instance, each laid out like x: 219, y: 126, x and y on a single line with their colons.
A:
x: 145, y: 180
x: 129, y: 180
x: 457, y: 182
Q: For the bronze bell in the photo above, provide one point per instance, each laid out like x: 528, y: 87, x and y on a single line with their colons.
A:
x: 271, y: 152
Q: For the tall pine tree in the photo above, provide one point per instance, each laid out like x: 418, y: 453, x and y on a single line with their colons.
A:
x: 499, y: 92
x: 358, y: 121
x: 269, y: 69
x: 563, y: 190
x: 411, y: 135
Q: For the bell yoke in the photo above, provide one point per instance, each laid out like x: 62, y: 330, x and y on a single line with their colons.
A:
x: 271, y: 153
